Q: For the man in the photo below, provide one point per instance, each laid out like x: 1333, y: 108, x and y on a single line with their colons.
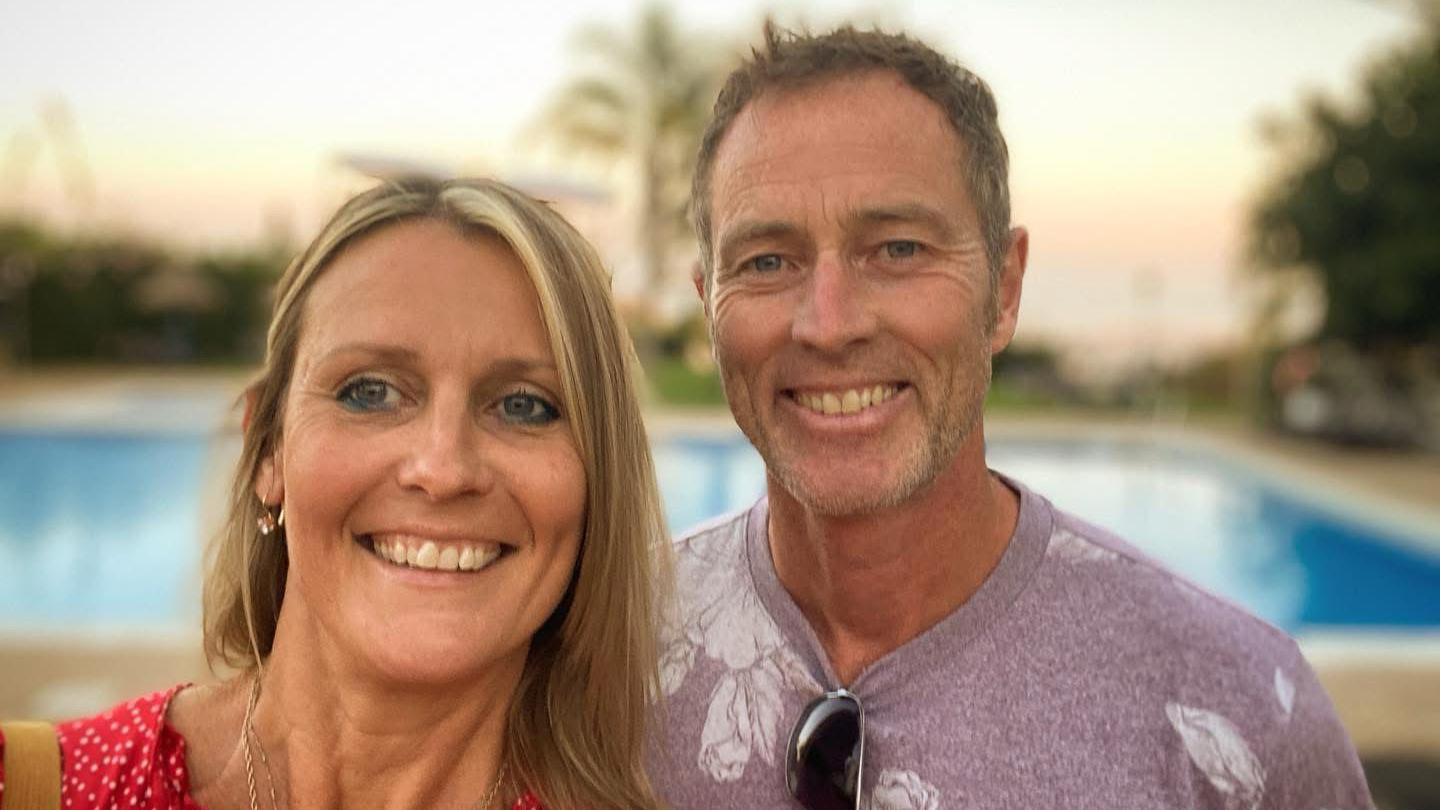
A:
x: 894, y: 613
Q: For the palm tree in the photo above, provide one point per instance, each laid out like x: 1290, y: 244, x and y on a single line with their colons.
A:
x: 644, y: 100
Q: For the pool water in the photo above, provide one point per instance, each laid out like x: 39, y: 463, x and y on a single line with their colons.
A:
x: 99, y: 529
x: 1295, y: 562
x: 1283, y: 554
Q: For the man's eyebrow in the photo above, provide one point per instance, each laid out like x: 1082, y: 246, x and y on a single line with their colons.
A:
x: 749, y: 231
x: 914, y: 213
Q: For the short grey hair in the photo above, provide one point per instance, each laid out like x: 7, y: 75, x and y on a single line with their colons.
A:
x: 788, y: 60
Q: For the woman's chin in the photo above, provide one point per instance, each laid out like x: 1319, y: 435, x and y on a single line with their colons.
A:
x: 435, y: 647
x: 436, y: 662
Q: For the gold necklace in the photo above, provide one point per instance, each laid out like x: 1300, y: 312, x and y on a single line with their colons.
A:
x: 247, y: 732
x: 495, y: 788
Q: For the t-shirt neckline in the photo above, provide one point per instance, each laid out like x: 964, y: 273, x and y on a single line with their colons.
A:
x: 1013, y: 573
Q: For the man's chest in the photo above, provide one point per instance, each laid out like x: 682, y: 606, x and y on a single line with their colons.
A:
x: 725, y: 735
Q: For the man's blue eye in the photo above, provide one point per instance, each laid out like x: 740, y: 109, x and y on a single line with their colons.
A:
x: 901, y: 249
x: 767, y: 263
x: 367, y: 394
x: 528, y: 409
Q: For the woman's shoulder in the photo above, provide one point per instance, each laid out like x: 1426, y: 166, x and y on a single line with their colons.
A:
x: 140, y: 717
x: 126, y: 756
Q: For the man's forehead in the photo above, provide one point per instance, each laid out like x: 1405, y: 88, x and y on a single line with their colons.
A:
x: 825, y: 128
x: 853, y: 145
x: 858, y: 99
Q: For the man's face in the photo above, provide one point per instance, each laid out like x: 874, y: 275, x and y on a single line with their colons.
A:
x: 851, y: 301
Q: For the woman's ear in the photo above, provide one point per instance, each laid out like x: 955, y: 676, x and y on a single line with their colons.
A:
x: 252, y: 396
x: 270, y: 480
x: 270, y: 477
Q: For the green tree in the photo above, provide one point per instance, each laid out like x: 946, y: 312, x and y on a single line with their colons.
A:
x: 644, y: 98
x: 1358, y: 206
x: 122, y: 299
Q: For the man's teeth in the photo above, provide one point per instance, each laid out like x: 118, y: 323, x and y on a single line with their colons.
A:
x: 418, y: 553
x: 853, y: 400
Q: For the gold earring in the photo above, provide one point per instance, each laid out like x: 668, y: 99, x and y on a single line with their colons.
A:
x: 267, y: 522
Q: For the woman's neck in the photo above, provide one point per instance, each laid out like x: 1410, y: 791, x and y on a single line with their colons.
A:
x: 333, y: 741
x: 338, y: 734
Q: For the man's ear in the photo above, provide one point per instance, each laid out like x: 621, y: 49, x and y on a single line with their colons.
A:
x: 1007, y: 297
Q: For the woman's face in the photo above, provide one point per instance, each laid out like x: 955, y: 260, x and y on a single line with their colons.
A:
x: 434, y: 499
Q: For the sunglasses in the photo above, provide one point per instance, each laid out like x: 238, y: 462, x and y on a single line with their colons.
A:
x: 826, y: 752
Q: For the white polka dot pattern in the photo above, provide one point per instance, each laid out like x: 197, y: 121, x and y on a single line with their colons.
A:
x: 129, y: 757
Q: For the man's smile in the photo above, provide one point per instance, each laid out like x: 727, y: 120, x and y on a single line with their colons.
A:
x: 844, y: 401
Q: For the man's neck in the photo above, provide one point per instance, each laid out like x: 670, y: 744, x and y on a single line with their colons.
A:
x: 869, y: 583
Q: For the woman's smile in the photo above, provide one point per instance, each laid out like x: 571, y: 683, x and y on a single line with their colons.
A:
x: 434, y: 442
x: 415, y: 551
x: 444, y: 426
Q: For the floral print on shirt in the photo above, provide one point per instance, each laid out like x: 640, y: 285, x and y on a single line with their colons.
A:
x: 722, y: 618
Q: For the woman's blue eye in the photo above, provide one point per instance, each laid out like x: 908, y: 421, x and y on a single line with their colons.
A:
x: 901, y: 249
x: 367, y: 394
x: 766, y: 263
x: 528, y: 409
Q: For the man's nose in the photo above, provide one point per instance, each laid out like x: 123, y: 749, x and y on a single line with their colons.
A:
x: 448, y: 456
x: 835, y: 309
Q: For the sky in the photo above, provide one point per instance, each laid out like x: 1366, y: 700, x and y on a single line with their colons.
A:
x: 1133, y: 124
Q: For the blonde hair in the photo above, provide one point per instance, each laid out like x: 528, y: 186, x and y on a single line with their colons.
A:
x: 576, y: 727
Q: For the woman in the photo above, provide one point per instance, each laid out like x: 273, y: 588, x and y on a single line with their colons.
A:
x: 437, y: 577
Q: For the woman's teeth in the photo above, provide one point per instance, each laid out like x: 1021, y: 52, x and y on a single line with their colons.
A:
x: 417, y: 553
x: 853, y: 400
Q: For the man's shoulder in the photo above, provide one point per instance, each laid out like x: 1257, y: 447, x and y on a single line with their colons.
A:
x: 711, y: 561
x: 1236, y: 690
x: 1097, y: 565
x: 721, y: 535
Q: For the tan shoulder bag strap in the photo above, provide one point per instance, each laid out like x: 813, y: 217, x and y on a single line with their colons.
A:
x: 32, y: 767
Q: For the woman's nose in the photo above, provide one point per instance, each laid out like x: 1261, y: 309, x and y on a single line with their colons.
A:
x: 447, y: 459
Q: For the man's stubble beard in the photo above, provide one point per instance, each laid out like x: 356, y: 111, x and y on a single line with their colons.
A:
x: 954, y: 422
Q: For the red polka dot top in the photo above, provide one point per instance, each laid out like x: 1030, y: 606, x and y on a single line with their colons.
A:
x: 129, y: 757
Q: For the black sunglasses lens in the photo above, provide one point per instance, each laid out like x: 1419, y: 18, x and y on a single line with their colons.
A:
x: 823, y: 761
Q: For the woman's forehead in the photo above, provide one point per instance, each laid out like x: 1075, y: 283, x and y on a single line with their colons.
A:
x: 425, y: 284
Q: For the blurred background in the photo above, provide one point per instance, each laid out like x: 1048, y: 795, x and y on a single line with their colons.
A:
x: 1229, y: 344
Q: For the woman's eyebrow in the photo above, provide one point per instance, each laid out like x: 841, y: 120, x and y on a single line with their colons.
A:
x: 389, y: 352
x: 520, y: 366
x: 381, y: 351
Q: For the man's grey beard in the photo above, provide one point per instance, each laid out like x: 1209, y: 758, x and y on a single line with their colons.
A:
x: 939, y: 453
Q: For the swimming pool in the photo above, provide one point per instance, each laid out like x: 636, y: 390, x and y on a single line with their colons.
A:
x: 104, y: 529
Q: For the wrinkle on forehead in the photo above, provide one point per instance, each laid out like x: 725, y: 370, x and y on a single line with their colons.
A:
x: 353, y: 299
x: 817, y: 138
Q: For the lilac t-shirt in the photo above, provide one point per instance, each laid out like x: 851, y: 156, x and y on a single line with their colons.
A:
x: 1082, y: 674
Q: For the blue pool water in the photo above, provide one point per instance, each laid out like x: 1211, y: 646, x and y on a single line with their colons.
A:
x: 1284, y: 556
x: 98, y: 528
x: 102, y: 529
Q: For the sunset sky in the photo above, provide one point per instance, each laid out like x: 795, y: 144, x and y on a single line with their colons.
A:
x: 1133, y: 125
